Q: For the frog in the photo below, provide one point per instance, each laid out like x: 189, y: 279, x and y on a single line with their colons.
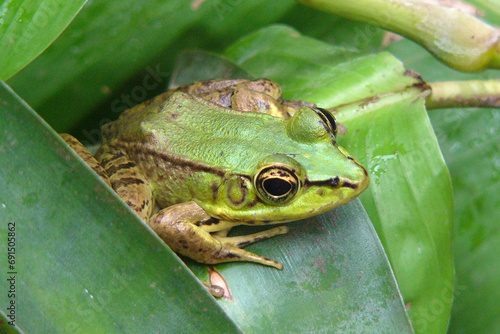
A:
x: 200, y: 159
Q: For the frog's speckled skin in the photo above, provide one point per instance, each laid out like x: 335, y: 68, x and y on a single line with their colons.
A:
x: 210, y: 167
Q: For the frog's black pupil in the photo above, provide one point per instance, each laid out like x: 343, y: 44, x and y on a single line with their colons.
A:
x: 277, y: 187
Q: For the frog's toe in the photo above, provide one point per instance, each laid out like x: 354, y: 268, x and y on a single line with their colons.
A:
x: 245, y: 240
x: 231, y: 253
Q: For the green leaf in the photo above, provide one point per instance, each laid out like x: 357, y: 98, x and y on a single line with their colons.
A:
x: 112, y: 41
x: 28, y: 27
x: 83, y: 261
x: 409, y: 199
x: 194, y: 66
x: 335, y: 275
x: 470, y: 142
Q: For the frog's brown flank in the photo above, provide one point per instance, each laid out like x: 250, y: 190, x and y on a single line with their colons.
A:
x: 127, y: 180
x: 86, y: 156
x: 146, y: 149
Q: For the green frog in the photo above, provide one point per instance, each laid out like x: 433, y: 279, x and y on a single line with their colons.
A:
x: 200, y: 159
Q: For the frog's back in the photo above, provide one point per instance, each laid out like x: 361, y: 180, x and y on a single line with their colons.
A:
x: 190, y: 128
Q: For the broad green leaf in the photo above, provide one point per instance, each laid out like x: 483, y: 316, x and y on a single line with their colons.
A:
x: 409, y: 200
x: 28, y: 27
x: 112, y: 41
x: 334, y: 29
x: 194, y: 66
x: 83, y: 261
x: 336, y: 279
x: 470, y: 142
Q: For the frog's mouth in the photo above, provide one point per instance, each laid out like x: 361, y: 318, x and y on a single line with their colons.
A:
x: 337, y: 183
x: 334, y: 182
x: 335, y: 191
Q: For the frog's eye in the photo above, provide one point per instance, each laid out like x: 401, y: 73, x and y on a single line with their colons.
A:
x: 309, y: 125
x: 328, y: 120
x: 277, y: 184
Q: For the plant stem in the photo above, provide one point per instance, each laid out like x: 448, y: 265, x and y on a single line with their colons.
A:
x: 458, y: 39
x: 473, y: 93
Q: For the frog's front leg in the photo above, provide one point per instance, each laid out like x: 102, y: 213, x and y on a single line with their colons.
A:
x: 187, y: 228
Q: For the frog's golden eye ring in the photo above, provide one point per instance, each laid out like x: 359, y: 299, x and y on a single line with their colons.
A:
x: 277, y: 184
x: 328, y: 120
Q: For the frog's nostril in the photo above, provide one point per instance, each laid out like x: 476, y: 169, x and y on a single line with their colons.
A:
x: 334, y: 182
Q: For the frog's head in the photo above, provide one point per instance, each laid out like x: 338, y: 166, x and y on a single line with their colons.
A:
x: 306, y: 175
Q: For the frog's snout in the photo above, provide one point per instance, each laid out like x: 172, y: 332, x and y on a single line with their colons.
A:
x: 360, y: 180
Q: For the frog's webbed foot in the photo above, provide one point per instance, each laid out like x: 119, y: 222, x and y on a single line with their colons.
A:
x: 184, y: 227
